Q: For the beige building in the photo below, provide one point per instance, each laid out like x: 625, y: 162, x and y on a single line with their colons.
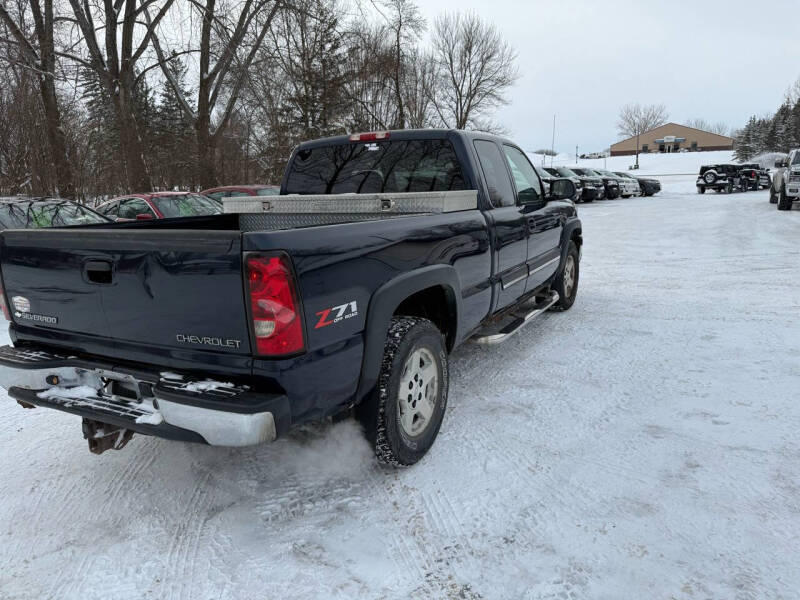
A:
x: 672, y: 137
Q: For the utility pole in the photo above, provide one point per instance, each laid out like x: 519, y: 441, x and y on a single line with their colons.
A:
x: 553, y: 142
x: 637, y: 147
x: 576, y: 154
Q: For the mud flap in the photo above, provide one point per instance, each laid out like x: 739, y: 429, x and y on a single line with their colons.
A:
x: 102, y: 436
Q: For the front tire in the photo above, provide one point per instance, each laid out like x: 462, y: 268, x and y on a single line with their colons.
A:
x: 566, y: 282
x: 773, y: 198
x: 402, y: 416
x: 784, y: 201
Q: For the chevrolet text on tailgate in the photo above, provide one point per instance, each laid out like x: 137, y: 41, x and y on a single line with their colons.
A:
x: 347, y: 292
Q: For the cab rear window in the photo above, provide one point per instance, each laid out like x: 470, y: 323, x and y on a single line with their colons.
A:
x: 375, y: 167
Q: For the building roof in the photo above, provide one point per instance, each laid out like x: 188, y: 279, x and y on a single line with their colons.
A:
x: 723, y: 139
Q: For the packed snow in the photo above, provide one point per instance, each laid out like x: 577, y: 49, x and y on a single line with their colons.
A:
x: 642, y: 445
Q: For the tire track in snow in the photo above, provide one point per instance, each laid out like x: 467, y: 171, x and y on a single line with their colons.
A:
x: 182, y: 552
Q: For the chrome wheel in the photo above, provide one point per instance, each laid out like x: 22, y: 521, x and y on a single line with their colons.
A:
x: 419, y: 391
x: 569, y: 275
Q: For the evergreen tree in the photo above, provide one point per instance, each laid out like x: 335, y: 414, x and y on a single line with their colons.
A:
x: 173, y: 139
x: 745, y: 141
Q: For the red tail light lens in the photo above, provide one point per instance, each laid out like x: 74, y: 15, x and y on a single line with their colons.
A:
x: 3, y: 304
x: 274, y: 306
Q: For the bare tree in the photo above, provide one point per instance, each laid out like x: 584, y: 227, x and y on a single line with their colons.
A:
x: 720, y: 128
x: 230, y: 35
x: 476, y: 66
x: 39, y: 56
x: 405, y: 24
x: 635, y: 119
x: 115, y: 64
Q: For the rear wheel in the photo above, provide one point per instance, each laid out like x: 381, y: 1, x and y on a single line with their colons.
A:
x: 784, y: 201
x: 403, y: 414
x: 566, y: 282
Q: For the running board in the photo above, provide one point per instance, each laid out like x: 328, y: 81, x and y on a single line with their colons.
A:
x: 518, y: 319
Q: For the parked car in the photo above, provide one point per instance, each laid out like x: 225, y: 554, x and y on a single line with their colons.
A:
x: 544, y: 176
x: 722, y: 178
x: 232, y: 329
x: 158, y: 205
x: 611, y: 183
x: 22, y: 212
x: 649, y: 186
x: 629, y: 185
x: 232, y: 191
x: 785, y: 187
x: 567, y: 174
x: 594, y: 178
x: 758, y: 178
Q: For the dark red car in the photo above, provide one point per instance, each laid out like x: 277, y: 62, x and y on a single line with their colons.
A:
x: 158, y: 205
x: 232, y: 191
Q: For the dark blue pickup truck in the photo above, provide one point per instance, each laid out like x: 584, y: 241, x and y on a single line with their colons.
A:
x: 345, y: 293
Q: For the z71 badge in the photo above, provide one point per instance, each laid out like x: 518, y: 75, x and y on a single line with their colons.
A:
x: 335, y: 314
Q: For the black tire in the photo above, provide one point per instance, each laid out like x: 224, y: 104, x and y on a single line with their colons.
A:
x: 381, y: 412
x: 744, y: 185
x: 588, y: 200
x: 784, y: 202
x: 701, y: 189
x: 729, y: 188
x: 567, y: 292
x: 773, y: 198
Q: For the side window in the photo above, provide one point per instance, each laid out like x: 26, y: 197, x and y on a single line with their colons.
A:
x: 529, y: 188
x: 227, y: 194
x: 109, y: 210
x: 128, y: 209
x: 494, y: 171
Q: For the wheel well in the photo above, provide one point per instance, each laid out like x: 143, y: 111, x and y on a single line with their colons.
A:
x: 438, y: 305
x: 577, y: 237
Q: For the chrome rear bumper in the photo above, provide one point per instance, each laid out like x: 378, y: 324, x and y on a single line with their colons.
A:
x: 161, y: 404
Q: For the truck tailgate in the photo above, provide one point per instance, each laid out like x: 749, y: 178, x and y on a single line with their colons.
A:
x: 155, y: 288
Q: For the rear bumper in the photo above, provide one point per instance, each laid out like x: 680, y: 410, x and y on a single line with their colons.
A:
x: 168, y: 405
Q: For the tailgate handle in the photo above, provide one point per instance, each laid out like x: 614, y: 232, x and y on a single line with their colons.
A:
x: 98, y: 271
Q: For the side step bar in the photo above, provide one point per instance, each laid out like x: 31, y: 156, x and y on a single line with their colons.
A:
x: 506, y: 328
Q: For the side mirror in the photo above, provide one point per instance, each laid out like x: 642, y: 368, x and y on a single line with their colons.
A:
x: 144, y: 217
x: 561, y: 189
x: 780, y: 163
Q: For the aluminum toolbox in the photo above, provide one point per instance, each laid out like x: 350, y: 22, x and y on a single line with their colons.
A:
x: 389, y: 204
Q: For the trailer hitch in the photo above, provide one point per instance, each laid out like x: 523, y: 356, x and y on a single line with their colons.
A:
x: 102, y: 436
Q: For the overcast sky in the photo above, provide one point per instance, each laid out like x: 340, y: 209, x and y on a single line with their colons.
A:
x: 582, y: 60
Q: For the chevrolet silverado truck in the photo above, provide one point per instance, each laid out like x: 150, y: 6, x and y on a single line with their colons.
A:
x: 344, y: 294
x: 785, y: 187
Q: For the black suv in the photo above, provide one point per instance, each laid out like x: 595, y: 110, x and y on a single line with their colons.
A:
x: 757, y: 177
x: 610, y: 186
x: 722, y: 178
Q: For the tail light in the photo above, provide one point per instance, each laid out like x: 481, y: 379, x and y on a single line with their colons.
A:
x: 274, y: 306
x: 3, y: 304
x: 372, y: 136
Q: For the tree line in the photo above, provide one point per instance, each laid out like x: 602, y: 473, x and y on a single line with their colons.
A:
x: 99, y: 97
x: 779, y: 132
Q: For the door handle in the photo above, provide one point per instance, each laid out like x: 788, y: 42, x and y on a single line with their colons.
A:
x: 98, y: 271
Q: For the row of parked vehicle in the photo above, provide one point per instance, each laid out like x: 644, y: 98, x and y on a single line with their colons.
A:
x: 23, y: 212
x: 600, y: 184
x: 729, y: 178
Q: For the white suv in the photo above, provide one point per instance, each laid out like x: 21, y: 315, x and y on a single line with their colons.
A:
x: 786, y: 181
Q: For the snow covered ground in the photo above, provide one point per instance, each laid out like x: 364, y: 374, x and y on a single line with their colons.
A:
x: 643, y: 445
